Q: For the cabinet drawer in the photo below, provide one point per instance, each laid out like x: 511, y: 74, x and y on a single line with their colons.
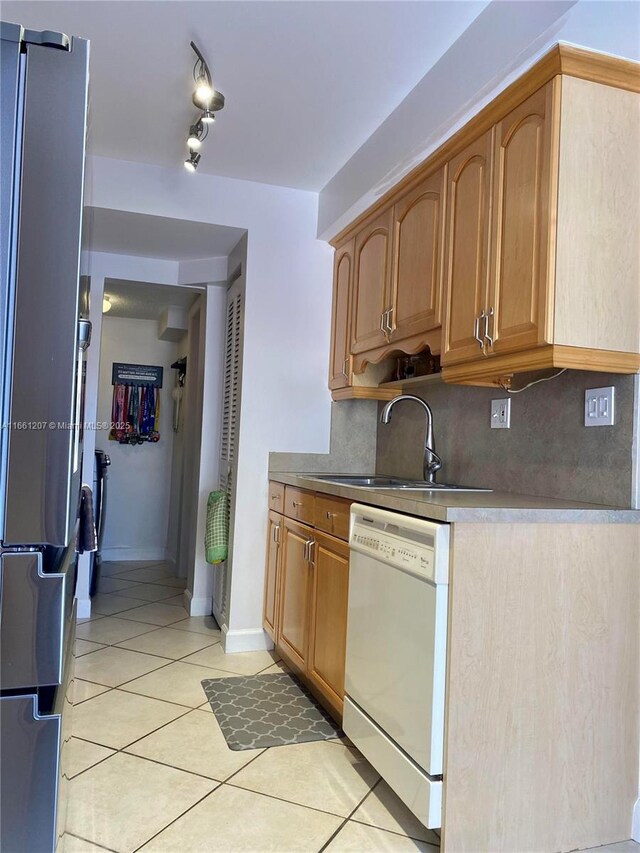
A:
x: 276, y: 496
x: 299, y: 504
x: 332, y: 515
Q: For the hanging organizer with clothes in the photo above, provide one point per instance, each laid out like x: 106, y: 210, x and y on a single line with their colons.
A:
x: 135, y: 408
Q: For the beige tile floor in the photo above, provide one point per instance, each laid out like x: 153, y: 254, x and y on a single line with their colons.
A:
x: 150, y: 769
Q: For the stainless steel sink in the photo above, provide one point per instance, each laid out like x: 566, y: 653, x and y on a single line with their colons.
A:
x: 373, y: 482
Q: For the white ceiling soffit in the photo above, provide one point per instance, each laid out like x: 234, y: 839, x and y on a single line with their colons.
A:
x: 306, y: 83
x: 136, y: 300
x: 122, y: 233
x: 504, y: 37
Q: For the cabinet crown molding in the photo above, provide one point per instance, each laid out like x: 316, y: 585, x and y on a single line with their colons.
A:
x: 565, y: 59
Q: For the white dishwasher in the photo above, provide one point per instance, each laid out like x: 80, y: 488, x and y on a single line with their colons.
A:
x: 396, y: 652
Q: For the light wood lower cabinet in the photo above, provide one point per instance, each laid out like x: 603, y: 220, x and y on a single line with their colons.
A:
x: 305, y: 600
x: 328, y: 624
x: 270, y: 614
x: 295, y: 586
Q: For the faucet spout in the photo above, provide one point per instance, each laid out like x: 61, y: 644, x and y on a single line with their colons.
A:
x: 432, y: 462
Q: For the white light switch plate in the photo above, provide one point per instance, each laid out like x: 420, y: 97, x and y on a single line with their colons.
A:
x: 501, y: 414
x: 599, y: 406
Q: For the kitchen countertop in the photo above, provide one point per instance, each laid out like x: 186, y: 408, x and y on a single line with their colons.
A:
x: 467, y: 506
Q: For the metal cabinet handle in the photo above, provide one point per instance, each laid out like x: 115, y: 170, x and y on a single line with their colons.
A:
x: 476, y: 329
x: 311, y: 558
x: 383, y: 327
x: 344, y: 367
x: 307, y: 549
x: 276, y: 533
x: 276, y: 497
x: 390, y: 321
x: 489, y: 317
x: 330, y: 515
x: 296, y: 504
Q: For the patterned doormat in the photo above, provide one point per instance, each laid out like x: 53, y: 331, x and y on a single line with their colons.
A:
x: 258, y: 711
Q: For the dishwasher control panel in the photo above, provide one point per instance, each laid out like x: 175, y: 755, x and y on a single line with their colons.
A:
x: 415, y: 545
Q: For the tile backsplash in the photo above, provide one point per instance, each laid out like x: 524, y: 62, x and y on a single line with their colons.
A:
x: 547, y: 451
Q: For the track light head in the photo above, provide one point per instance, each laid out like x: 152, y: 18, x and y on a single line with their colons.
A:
x: 208, y: 117
x: 191, y: 163
x: 194, y: 140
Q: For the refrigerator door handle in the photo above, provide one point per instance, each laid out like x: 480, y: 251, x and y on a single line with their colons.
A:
x: 35, y: 606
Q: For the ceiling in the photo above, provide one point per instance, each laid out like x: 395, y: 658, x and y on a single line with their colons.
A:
x: 138, y: 234
x: 306, y: 83
x: 141, y: 301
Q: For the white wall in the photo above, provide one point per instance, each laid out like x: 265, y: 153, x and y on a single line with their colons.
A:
x: 140, y: 475
x: 505, y: 39
x: 286, y: 404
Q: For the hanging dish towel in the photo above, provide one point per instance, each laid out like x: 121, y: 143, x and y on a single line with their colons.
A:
x: 87, y: 539
x: 216, y: 536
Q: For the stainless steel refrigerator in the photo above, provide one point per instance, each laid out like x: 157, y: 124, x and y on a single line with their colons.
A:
x: 43, y: 101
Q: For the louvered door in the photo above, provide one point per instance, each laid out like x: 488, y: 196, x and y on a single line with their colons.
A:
x: 229, y: 433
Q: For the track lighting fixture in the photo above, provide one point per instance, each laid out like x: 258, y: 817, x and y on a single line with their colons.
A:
x: 208, y: 101
x: 191, y: 163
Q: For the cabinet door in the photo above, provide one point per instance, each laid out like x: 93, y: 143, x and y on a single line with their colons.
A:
x: 468, y: 214
x: 274, y: 534
x: 521, y: 251
x: 417, y: 259
x: 371, y: 285
x: 340, y: 367
x: 295, y: 573
x: 329, y: 598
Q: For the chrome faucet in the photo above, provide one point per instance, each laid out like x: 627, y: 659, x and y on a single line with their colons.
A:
x: 432, y: 461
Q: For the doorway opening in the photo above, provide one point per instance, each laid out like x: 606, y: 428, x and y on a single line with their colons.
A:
x: 149, y: 411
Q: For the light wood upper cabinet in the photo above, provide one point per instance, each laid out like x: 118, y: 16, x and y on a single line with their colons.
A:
x: 526, y: 221
x: 371, y: 285
x: 522, y: 246
x: 274, y: 535
x: 416, y: 297
x: 295, y: 573
x: 328, y: 629
x: 340, y: 366
x: 467, y: 250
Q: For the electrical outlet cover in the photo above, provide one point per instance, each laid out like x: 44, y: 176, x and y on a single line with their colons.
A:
x: 599, y: 406
x: 501, y: 414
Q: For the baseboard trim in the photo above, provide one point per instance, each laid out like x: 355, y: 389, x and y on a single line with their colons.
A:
x: 635, y: 822
x: 126, y: 554
x: 245, y: 641
x: 83, y: 606
x: 196, y: 606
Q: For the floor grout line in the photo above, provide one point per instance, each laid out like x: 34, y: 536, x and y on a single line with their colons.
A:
x: 95, y: 843
x: 281, y: 799
x: 349, y: 816
x: 121, y: 749
x: 217, y: 788
x: 208, y: 794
